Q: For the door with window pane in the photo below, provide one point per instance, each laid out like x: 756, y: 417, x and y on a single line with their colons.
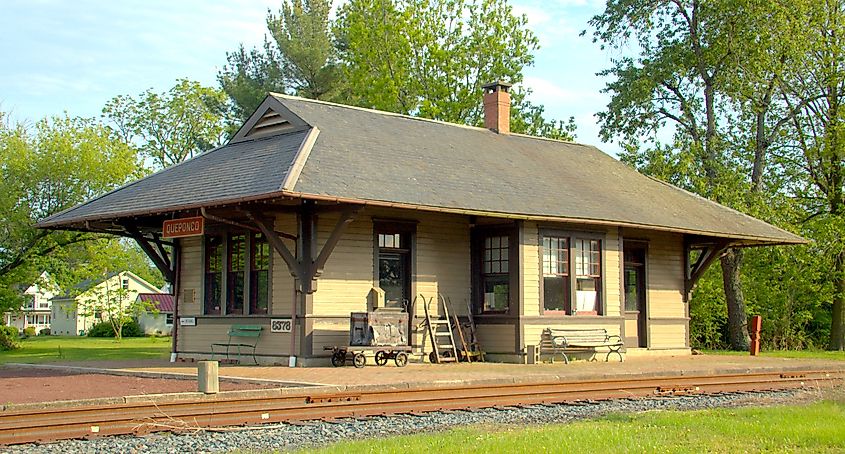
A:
x: 394, y: 268
x: 635, y: 294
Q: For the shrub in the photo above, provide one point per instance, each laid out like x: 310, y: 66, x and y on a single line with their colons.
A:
x: 29, y: 331
x: 8, y: 338
x: 132, y: 329
x: 12, y: 331
x: 45, y: 332
x: 104, y: 329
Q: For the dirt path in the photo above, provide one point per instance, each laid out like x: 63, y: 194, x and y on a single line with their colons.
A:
x: 25, y: 385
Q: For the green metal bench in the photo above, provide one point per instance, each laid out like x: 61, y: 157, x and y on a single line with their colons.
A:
x: 241, y: 337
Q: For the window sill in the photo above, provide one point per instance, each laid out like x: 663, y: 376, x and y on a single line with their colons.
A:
x: 551, y: 314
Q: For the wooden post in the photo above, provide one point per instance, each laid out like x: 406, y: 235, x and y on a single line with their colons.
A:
x: 754, y: 331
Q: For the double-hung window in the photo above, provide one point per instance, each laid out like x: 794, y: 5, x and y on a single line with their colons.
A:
x: 572, y: 275
x: 495, y: 274
x: 556, y: 294
x: 213, y: 274
x: 259, y: 278
x: 237, y: 274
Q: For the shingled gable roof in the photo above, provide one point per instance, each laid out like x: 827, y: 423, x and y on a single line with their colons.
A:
x: 329, y: 151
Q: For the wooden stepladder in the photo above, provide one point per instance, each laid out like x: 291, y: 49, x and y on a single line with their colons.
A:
x: 443, y: 349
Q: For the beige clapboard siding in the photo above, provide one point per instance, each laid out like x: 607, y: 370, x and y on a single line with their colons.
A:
x: 668, y: 336
x: 208, y: 331
x: 443, y: 260
x: 191, y: 270
x: 496, y: 338
x: 348, y: 275
x: 665, y: 268
x: 530, y: 279
x: 612, y: 286
x: 282, y: 290
x: 631, y: 327
x: 329, y: 333
x: 533, y: 333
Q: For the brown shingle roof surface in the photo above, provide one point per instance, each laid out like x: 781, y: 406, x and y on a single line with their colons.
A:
x: 239, y: 170
x: 377, y: 156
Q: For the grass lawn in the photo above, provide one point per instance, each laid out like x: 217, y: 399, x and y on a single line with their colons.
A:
x: 42, y: 349
x: 811, y: 428
x: 800, y: 354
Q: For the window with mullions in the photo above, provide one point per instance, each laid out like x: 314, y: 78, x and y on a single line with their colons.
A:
x: 235, y: 274
x: 556, y: 293
x: 571, y: 288
x: 259, y: 278
x: 213, y: 274
x: 495, y: 274
x: 587, y: 276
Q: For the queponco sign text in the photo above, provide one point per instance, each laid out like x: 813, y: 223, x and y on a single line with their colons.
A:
x: 176, y: 228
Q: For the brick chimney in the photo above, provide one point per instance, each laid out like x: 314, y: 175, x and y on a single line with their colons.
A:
x: 497, y: 107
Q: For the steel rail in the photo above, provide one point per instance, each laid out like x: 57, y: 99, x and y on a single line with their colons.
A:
x: 25, y: 426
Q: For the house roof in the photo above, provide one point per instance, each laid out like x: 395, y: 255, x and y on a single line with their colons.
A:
x: 163, y: 302
x: 343, y: 153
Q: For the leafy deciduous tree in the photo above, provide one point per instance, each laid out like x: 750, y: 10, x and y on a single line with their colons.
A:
x: 173, y: 126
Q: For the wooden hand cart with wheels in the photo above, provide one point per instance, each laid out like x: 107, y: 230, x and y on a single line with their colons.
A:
x: 357, y: 355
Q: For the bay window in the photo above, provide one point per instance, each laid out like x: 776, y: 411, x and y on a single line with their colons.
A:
x: 571, y: 275
x: 237, y: 274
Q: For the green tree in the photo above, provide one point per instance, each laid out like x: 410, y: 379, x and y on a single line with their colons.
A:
x: 430, y: 57
x: 701, y: 68
x: 424, y: 58
x: 816, y: 90
x: 45, y: 169
x: 247, y: 77
x: 110, y: 302
x: 300, y: 59
x: 172, y: 126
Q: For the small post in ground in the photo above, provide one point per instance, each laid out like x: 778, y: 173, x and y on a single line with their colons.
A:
x: 756, y: 326
x: 207, y: 379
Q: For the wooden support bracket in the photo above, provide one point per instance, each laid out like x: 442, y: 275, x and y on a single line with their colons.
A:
x: 347, y: 216
x: 697, y: 269
x: 276, y: 241
x: 157, y: 254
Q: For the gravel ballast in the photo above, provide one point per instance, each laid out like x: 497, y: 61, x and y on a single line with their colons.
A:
x: 286, y: 437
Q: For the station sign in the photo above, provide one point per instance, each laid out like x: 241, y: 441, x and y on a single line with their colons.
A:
x: 177, y: 228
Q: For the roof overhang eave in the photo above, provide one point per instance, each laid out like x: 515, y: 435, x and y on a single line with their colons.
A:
x: 737, y: 240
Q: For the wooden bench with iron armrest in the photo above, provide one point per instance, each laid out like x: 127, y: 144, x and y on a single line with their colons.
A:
x: 573, y: 339
x: 240, y: 337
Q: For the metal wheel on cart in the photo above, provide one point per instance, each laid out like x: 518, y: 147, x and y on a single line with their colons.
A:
x: 338, y: 359
x: 401, y: 359
x: 432, y: 358
x: 381, y: 357
x: 359, y: 360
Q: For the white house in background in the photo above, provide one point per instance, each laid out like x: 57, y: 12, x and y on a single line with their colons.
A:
x: 36, y: 310
x: 71, y: 316
x: 159, y: 322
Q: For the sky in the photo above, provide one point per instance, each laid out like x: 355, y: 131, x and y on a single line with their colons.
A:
x: 73, y: 56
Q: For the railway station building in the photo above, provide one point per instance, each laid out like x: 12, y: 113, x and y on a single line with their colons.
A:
x: 315, y: 210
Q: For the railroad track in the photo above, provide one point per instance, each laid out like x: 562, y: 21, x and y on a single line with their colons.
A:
x: 27, y: 426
